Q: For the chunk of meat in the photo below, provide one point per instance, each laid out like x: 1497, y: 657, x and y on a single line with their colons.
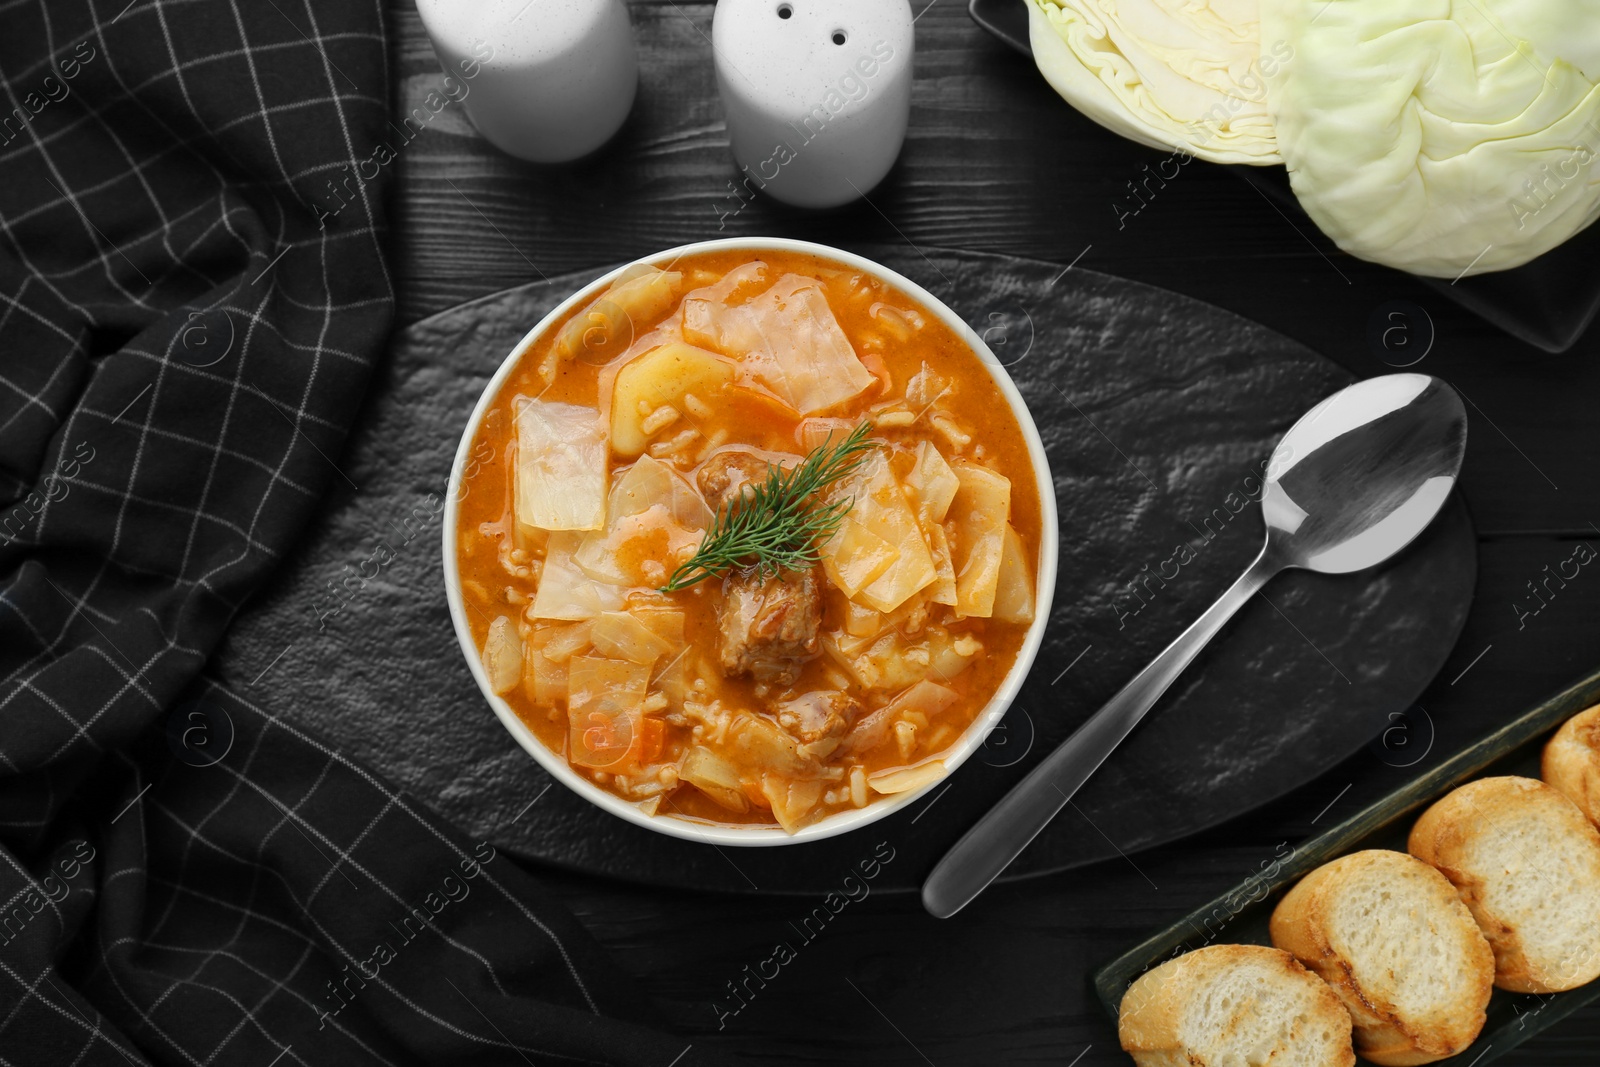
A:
x: 728, y: 474
x: 768, y: 625
x: 818, y: 719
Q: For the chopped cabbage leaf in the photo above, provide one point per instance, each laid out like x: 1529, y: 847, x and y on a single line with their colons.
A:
x: 502, y: 656
x: 704, y: 320
x: 560, y: 481
x: 757, y: 741
x: 791, y: 800
x: 894, y: 661
x: 565, y: 592
x: 855, y: 556
x: 1013, y: 594
x: 1442, y: 137
x: 656, y: 522
x: 553, y: 646
x: 620, y: 635
x: 548, y: 681
x: 611, y: 322
x: 1169, y: 74
x: 929, y: 698
x: 605, y: 712
x: 943, y: 589
x: 979, y: 514
x: 880, y: 507
x: 669, y: 676
x: 786, y: 340
x: 907, y: 779
x: 814, y: 433
x: 715, y: 777
x: 560, y: 641
x: 933, y: 481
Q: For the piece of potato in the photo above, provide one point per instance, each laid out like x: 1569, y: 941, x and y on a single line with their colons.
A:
x: 661, y: 376
x: 862, y: 621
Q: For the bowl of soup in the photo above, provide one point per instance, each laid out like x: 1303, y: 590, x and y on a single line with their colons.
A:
x: 750, y: 542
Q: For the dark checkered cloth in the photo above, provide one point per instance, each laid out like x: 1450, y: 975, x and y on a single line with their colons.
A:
x: 194, y: 295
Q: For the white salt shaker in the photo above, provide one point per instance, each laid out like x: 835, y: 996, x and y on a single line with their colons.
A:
x: 544, y: 80
x: 816, y: 93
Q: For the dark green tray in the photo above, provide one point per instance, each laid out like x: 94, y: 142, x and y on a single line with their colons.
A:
x: 1240, y: 915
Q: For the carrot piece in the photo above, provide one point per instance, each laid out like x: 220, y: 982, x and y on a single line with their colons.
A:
x: 655, y: 739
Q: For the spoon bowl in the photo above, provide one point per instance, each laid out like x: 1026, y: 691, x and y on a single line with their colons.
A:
x: 1363, y: 473
x: 1354, y: 481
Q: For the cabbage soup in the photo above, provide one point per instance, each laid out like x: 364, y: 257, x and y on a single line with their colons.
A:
x: 751, y: 539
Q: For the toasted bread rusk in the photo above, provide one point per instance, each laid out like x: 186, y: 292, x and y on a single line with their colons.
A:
x: 1398, y: 946
x: 1572, y: 762
x: 1231, y: 1004
x: 1527, y: 863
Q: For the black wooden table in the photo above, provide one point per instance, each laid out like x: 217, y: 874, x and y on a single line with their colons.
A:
x: 996, y: 162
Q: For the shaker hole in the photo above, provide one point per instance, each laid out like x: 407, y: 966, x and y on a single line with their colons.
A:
x: 785, y: 11
x: 839, y: 37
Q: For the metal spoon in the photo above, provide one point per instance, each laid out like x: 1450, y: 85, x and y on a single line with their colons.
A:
x: 1352, y: 483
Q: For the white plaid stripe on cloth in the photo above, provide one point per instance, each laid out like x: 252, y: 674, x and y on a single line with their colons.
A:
x: 186, y: 331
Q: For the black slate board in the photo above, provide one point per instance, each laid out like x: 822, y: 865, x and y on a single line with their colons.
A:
x: 1548, y: 302
x: 1153, y: 408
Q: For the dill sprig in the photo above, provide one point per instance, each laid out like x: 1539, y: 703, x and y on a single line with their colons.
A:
x: 776, y: 526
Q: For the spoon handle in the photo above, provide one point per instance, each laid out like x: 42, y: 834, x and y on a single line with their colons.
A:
x: 997, y: 839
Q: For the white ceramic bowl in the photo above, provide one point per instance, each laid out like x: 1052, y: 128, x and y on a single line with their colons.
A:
x: 841, y: 822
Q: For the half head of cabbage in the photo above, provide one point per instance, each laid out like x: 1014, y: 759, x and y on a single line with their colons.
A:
x: 1442, y: 137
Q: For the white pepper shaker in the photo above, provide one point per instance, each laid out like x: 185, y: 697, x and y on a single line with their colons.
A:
x: 544, y: 80
x: 816, y: 93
